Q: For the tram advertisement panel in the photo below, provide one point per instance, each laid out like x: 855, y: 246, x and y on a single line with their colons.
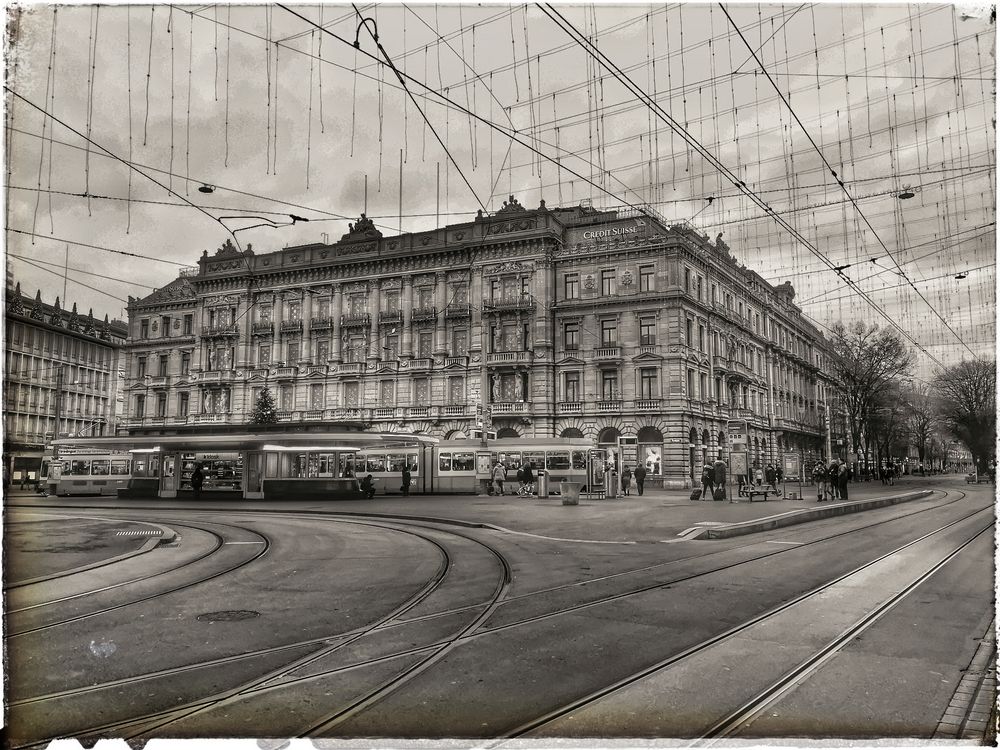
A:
x: 596, y: 469
x: 790, y: 466
x: 484, y: 465
x: 738, y: 463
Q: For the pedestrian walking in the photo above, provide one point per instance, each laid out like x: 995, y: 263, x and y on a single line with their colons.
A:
x: 771, y: 476
x: 832, y: 476
x: 843, y: 479
x: 499, y: 475
x: 640, y: 477
x: 758, y: 476
x: 529, y: 479
x: 407, y: 479
x: 197, y: 480
x: 819, y: 477
x: 779, y: 474
x: 707, y: 485
x: 719, y: 479
x: 626, y: 480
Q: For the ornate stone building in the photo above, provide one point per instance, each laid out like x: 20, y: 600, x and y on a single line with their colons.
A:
x: 59, y: 367
x: 546, y: 322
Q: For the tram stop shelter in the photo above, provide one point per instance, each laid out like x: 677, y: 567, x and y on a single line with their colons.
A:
x: 255, y: 465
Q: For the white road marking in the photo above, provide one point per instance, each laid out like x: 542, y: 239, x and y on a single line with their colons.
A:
x: 772, y: 541
x: 243, y: 542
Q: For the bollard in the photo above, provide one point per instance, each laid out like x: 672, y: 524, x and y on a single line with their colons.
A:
x: 570, y: 492
x: 543, y: 483
x: 610, y: 485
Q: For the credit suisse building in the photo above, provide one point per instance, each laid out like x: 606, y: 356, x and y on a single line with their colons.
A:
x: 545, y: 322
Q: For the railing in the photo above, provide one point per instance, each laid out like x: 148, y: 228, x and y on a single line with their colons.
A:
x: 390, y: 316
x: 286, y: 372
x: 647, y: 348
x: 512, y: 302
x: 285, y: 415
x: 511, y: 407
x: 320, y: 324
x: 352, y: 413
x: 720, y: 363
x: 418, y: 411
x: 421, y: 363
x: 499, y: 358
x: 352, y: 368
x: 355, y: 321
x: 453, y: 410
x: 569, y: 407
x: 424, y: 313
x: 216, y: 376
x: 210, y: 418
x: 384, y: 412
x: 458, y: 310
x: 461, y: 361
x: 291, y: 325
x: 312, y: 415
x: 738, y: 368
x: 228, y: 330
x: 263, y: 328
x: 609, y: 406
x: 160, y: 381
x: 608, y: 352
x: 649, y: 404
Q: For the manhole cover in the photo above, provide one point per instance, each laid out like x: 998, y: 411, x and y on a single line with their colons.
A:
x: 228, y: 615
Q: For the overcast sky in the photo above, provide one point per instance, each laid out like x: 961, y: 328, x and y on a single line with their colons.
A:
x: 884, y: 92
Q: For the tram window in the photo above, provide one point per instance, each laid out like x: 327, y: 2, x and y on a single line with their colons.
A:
x: 271, y: 465
x: 79, y: 468
x: 139, y: 467
x: 557, y: 460
x: 153, y: 470
x: 411, y: 460
x: 444, y: 462
x: 100, y: 467
x: 322, y: 464
x: 375, y: 462
x: 463, y: 462
x: 119, y: 467
x: 535, y: 459
x: 580, y: 460
x: 511, y: 460
x: 348, y: 471
x: 297, y: 467
x: 396, y: 462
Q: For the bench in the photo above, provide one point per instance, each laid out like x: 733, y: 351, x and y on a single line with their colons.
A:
x: 752, y: 490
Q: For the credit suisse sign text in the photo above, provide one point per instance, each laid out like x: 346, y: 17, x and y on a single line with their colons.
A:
x: 595, y: 234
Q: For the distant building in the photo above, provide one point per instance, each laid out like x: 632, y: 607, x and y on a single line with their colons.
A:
x: 57, y: 365
x: 545, y: 322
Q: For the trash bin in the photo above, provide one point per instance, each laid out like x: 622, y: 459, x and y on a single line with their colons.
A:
x: 610, y: 484
x: 570, y: 492
x: 543, y: 483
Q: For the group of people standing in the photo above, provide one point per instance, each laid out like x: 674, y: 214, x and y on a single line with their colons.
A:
x: 831, y: 481
x: 640, y: 479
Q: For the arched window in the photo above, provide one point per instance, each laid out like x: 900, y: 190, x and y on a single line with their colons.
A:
x: 722, y: 437
x: 571, y: 432
x: 507, y: 432
x: 608, y: 436
x: 650, y: 435
x: 650, y: 442
x: 704, y: 437
x: 693, y: 436
x: 455, y: 435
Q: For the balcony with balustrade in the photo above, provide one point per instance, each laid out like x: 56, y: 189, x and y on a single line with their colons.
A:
x: 320, y: 324
x: 422, y: 314
x: 285, y: 373
x: 456, y: 410
x: 504, y: 408
x: 609, y: 406
x: 509, y: 358
x: 608, y: 353
x: 421, y: 363
x: 458, y: 310
x: 220, y: 331
x: 216, y: 376
x: 352, y: 368
x: 648, y: 404
x: 291, y: 326
x: 356, y: 320
x: 509, y: 302
x: 569, y: 407
x: 457, y: 361
x: 262, y: 328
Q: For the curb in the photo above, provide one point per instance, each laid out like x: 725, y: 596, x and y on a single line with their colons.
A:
x: 805, y: 515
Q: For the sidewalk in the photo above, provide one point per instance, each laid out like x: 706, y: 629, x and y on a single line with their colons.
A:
x: 656, y: 516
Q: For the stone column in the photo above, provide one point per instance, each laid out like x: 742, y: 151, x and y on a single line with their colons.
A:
x: 277, y: 350
x: 306, y: 350
x: 374, y: 339
x: 406, y: 303
x: 440, y: 347
x: 336, y: 310
x: 244, y: 344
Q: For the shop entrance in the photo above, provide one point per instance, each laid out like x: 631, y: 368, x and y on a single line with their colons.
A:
x: 223, y: 471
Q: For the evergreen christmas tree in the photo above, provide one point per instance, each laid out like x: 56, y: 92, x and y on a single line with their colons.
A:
x: 264, y: 411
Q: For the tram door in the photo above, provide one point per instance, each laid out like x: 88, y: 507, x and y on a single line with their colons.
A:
x: 169, y: 476
x: 253, y: 482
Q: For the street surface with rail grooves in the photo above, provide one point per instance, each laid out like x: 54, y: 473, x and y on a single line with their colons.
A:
x: 298, y: 620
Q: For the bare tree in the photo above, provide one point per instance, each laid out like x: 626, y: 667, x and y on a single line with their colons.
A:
x: 968, y: 406
x: 921, y: 418
x: 868, y: 359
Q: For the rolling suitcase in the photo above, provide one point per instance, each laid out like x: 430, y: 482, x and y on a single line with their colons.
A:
x: 696, y: 494
x: 719, y: 494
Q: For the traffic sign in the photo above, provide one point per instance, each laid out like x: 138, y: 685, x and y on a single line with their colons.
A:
x: 736, y: 431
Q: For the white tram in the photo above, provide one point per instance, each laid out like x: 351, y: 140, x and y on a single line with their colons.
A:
x: 89, y: 473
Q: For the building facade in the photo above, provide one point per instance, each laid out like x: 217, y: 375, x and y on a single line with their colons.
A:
x: 540, y: 322
x: 61, y: 373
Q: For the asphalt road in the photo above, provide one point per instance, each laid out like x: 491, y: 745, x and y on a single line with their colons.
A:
x: 276, y: 622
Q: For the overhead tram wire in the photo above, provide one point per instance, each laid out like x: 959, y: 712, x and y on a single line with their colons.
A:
x: 78, y: 283
x: 63, y: 240
x: 499, y: 128
x: 434, y: 96
x: 840, y: 182
x: 82, y: 270
x: 571, y: 30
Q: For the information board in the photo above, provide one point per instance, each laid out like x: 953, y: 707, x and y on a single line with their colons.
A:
x: 738, y: 463
x: 736, y: 431
x: 790, y: 465
x: 484, y: 468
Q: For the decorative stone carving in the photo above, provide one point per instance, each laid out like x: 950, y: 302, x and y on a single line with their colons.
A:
x: 508, y: 267
x: 512, y: 226
x: 588, y: 283
x: 627, y: 278
x: 425, y: 240
x: 390, y: 284
x: 363, y: 228
x: 365, y: 247
x: 511, y: 206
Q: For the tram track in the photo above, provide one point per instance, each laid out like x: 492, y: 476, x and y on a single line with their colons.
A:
x: 265, y: 546
x: 438, y: 649
x: 758, y: 702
